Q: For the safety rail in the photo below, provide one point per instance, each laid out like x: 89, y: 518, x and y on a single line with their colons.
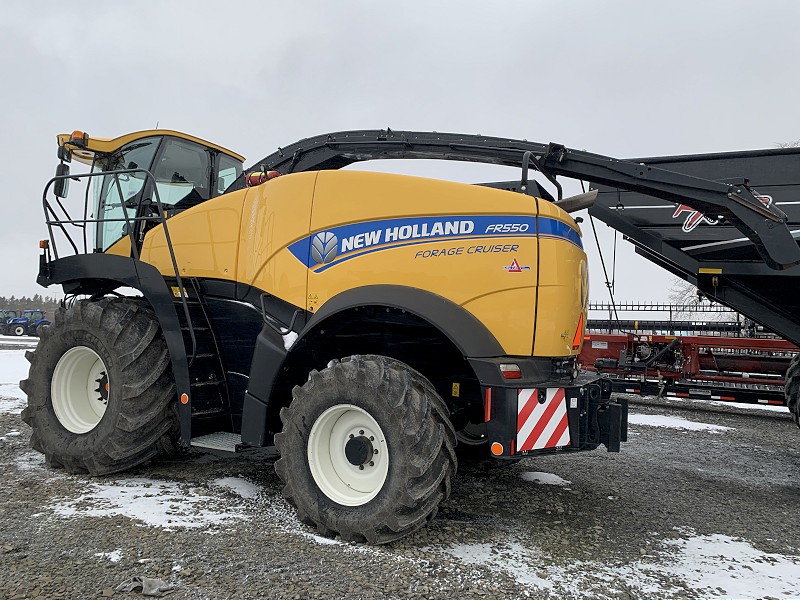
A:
x: 54, y: 220
x: 661, y: 307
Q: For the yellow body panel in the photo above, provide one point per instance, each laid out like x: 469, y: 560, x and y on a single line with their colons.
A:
x: 461, y: 271
x: 562, y: 298
x: 563, y: 290
x: 380, y: 227
x: 277, y: 214
x: 205, y: 240
x: 121, y: 247
x: 512, y: 327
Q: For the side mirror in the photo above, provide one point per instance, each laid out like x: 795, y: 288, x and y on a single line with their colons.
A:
x: 64, y: 155
x: 61, y: 186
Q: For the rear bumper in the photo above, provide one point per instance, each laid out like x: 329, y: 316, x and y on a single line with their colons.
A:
x: 552, y: 417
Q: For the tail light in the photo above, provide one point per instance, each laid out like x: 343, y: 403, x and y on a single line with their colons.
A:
x: 510, y: 371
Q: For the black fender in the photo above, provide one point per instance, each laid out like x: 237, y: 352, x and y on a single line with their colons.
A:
x: 103, y: 273
x: 459, y: 325
x: 468, y: 334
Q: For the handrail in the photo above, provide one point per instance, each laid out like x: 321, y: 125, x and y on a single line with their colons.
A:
x: 128, y: 220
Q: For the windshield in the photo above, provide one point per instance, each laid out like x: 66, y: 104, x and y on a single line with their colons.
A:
x: 107, y: 199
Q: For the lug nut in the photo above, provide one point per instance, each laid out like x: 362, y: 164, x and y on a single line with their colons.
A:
x: 360, y: 467
x: 372, y: 438
x: 375, y: 451
x: 352, y: 436
x: 361, y: 432
x: 371, y: 464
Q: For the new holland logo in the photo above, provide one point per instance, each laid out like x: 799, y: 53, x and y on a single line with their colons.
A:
x: 515, y: 268
x: 324, y: 247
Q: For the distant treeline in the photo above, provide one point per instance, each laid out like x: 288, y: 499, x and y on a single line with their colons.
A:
x: 45, y: 303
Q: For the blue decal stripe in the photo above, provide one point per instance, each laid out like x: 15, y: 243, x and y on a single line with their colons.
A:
x: 416, y: 243
x: 554, y: 228
x: 371, y: 235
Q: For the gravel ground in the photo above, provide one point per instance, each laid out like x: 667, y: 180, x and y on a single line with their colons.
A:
x: 700, y: 507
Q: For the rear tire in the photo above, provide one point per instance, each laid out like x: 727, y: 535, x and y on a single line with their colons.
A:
x: 792, y: 388
x: 331, y: 430
x: 127, y: 419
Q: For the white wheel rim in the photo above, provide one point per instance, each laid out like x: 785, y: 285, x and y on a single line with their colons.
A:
x: 78, y: 404
x: 334, y: 473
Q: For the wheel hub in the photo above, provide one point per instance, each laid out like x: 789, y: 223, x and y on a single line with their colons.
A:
x: 359, y: 450
x: 79, y: 389
x: 102, y: 388
x: 348, y: 455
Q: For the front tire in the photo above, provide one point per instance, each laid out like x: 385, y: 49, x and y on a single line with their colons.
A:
x: 100, y: 388
x: 331, y: 430
x: 18, y: 330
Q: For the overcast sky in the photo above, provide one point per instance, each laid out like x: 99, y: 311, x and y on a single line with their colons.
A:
x: 625, y: 78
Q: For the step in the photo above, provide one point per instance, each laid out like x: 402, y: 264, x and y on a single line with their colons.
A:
x: 221, y: 440
x: 205, y: 383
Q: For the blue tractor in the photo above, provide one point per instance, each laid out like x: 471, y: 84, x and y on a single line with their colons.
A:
x: 32, y: 322
x: 5, y: 317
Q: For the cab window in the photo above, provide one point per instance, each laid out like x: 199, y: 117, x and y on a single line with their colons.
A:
x: 182, y: 173
x: 228, y: 170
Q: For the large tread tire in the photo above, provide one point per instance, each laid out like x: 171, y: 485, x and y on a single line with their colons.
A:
x: 139, y: 422
x: 421, y: 441
x: 18, y: 330
x: 792, y: 388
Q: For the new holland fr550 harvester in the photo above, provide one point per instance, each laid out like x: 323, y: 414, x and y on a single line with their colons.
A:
x: 372, y: 326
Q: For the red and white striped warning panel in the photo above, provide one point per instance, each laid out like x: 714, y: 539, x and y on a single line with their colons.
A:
x: 542, y: 421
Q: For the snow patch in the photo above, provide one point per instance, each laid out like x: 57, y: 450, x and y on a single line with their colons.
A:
x: 513, y: 558
x: 9, y: 404
x: 239, y: 486
x: 155, y: 503
x: 674, y: 423
x: 113, y: 556
x: 544, y: 478
x: 715, y: 566
x: 727, y: 567
x: 283, y: 517
x: 13, y: 367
